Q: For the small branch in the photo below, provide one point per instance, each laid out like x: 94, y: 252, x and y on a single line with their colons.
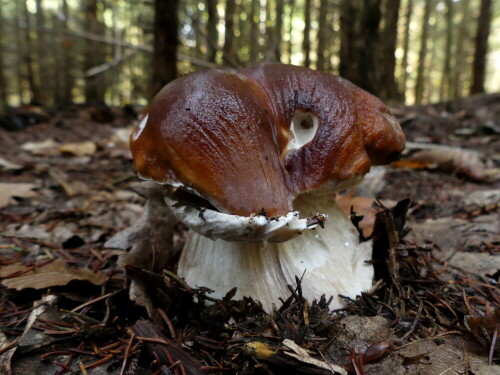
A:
x: 415, y: 321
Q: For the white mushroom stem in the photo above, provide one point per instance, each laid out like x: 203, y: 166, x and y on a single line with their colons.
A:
x: 332, y: 258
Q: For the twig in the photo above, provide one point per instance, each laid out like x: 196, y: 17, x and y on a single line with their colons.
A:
x: 91, y: 302
x: 8, y: 347
x: 153, y: 340
x: 168, y: 322
x: 115, y: 62
x: 99, y: 362
x: 492, y: 347
x: 127, y: 353
x: 82, y: 368
x: 415, y: 321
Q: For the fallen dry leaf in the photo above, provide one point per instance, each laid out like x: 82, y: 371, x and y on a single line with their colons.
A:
x: 56, y: 273
x: 10, y: 190
x: 462, y: 162
x: 70, y: 187
x: 302, y: 355
x: 86, y: 148
x: 46, y: 148
x: 9, y: 166
x: 428, y: 358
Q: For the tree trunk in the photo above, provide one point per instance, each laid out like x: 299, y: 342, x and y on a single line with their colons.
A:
x: 278, y: 29
x: 406, y: 48
x: 481, y: 48
x: 324, y: 32
x: 57, y: 65
x: 227, y: 50
x: 67, y: 56
x: 45, y: 74
x: 20, y: 62
x: 348, y: 31
x: 94, y: 54
x: 419, y: 87
x: 367, y: 61
x: 254, y: 19
x: 3, y: 80
x: 212, y: 33
x: 34, y: 84
x: 290, y: 29
x: 306, y: 42
x: 444, y: 87
x: 461, y: 45
x: 197, y: 27
x: 166, y: 40
x: 387, y: 83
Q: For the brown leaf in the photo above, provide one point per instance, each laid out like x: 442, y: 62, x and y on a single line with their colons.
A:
x: 85, y: 148
x: 484, y: 327
x: 459, y: 161
x: 70, y: 187
x: 56, y: 273
x: 48, y: 147
x: 9, y: 190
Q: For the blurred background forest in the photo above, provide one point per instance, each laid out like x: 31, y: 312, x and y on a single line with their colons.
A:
x: 56, y: 52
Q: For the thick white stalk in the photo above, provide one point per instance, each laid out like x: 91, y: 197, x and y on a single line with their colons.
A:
x: 332, y: 258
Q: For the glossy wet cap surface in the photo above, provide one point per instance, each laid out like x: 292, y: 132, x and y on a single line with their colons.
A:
x: 252, y: 141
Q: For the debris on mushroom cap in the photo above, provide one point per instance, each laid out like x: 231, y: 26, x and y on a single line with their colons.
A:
x: 256, y: 139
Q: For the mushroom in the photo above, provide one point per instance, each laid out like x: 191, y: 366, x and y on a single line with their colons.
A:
x: 253, y: 160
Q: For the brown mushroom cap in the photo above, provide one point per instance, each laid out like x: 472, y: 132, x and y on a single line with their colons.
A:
x: 226, y: 136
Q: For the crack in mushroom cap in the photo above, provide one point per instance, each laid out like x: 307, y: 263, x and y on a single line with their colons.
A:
x: 251, y: 141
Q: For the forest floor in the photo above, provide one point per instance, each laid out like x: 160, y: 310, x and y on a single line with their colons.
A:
x: 67, y: 186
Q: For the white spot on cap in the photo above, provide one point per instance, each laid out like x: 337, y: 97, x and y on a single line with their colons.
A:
x: 303, y: 127
x: 140, y: 127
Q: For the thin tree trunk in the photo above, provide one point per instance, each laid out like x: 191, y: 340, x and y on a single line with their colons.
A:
x: 33, y: 83
x: 43, y: 71
x: 406, y: 47
x: 227, y: 50
x: 197, y: 27
x: 21, y: 63
x: 254, y: 19
x: 268, y: 33
x: 419, y: 87
x: 94, y: 54
x: 306, y: 42
x: 348, y: 32
x: 444, y: 87
x: 432, y: 86
x: 387, y: 84
x: 57, y: 73
x: 461, y: 45
x: 67, y: 56
x: 3, y: 80
x: 481, y: 47
x: 117, y: 55
x: 368, y: 64
x: 213, y: 35
x: 278, y: 29
x: 166, y: 39
x: 290, y: 30
x: 324, y: 32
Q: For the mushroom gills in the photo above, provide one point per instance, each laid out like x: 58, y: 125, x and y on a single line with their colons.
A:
x: 253, y: 229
